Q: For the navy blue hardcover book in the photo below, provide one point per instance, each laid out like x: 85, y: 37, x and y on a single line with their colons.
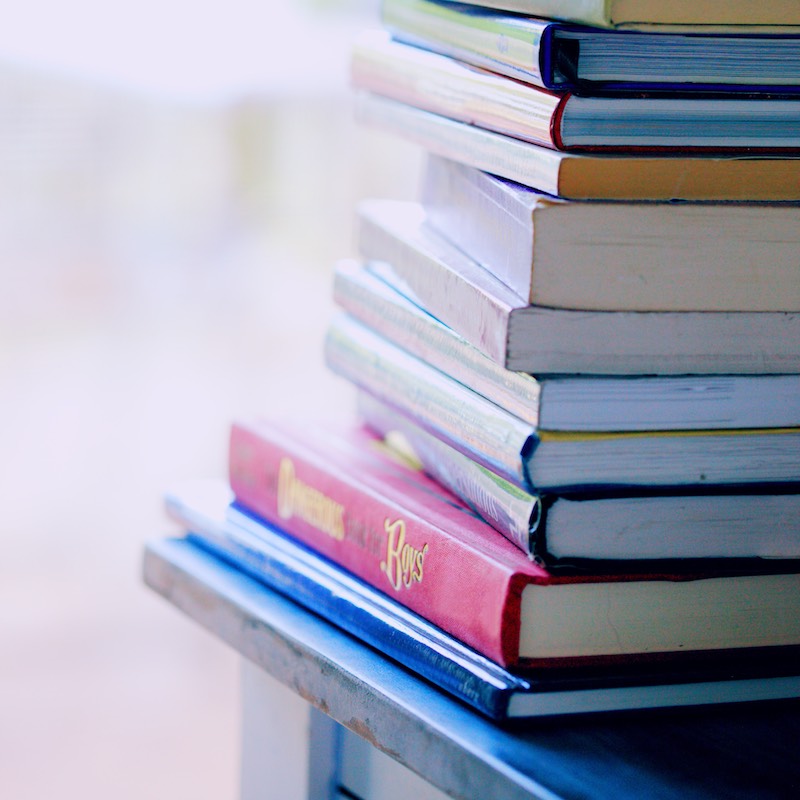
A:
x: 562, y: 55
x: 217, y: 525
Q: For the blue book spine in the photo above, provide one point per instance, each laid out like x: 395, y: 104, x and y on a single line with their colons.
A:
x: 550, y: 54
x: 266, y: 554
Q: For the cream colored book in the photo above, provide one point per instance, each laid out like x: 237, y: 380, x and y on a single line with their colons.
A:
x: 645, y: 13
x: 618, y: 256
x: 466, y: 297
x: 569, y: 402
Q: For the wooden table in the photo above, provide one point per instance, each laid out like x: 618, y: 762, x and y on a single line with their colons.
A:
x: 346, y: 704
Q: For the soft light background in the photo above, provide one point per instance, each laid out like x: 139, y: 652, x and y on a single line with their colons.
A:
x: 176, y: 181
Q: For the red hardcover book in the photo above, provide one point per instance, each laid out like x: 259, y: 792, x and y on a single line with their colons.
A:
x: 666, y: 121
x: 343, y: 494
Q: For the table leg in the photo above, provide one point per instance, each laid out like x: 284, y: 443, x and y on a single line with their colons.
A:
x: 288, y: 749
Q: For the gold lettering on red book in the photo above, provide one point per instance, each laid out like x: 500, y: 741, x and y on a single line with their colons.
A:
x: 298, y: 499
x: 403, y: 564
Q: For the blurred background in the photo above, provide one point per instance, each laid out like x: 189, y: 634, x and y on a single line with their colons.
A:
x: 177, y: 180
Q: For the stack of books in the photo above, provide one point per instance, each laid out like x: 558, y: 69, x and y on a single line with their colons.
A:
x: 575, y: 481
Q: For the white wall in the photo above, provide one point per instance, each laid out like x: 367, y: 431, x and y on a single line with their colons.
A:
x: 172, y: 199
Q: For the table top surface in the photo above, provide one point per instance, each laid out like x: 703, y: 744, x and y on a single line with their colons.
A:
x: 737, y: 751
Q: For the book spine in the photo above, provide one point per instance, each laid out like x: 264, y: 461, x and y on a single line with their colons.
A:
x: 447, y: 409
x: 511, y: 511
x: 529, y: 164
x: 410, y: 641
x: 624, y: 176
x: 556, y: 135
x: 338, y: 512
x: 446, y: 86
x: 483, y: 217
x: 382, y: 308
x: 508, y: 45
x: 454, y: 290
x: 724, y: 266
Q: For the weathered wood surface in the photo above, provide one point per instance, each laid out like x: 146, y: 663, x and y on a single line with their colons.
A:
x: 722, y: 752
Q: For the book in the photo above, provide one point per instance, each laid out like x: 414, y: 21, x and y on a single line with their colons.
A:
x: 558, y: 462
x: 568, y: 402
x: 404, y: 534
x: 205, y: 509
x: 623, y: 122
x: 586, y: 176
x: 618, y: 256
x: 237, y: 548
x: 557, y: 55
x: 635, y: 14
x: 589, y: 531
x: 425, y: 267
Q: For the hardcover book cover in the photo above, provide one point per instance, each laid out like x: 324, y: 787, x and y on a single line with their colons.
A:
x: 559, y: 55
x: 586, y: 176
x: 611, y: 531
x: 405, y: 535
x: 620, y: 123
x: 213, y: 525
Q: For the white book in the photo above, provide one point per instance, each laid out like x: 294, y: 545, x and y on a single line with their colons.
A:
x: 569, y: 402
x: 540, y: 340
x: 597, y: 256
x: 558, y: 462
x: 566, y: 530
